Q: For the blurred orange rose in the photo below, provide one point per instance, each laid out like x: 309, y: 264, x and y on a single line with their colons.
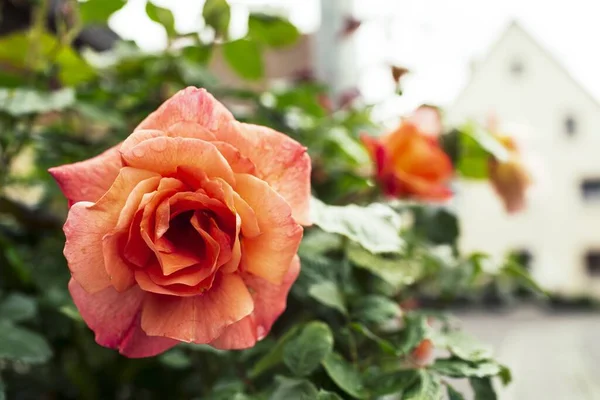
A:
x: 410, y: 164
x: 510, y: 178
x: 187, y: 231
x: 423, y: 353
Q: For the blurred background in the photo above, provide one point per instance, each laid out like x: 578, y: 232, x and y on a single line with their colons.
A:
x: 530, y: 68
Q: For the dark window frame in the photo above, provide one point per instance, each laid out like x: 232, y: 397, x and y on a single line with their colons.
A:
x: 590, y: 189
x: 524, y: 257
x: 517, y: 68
x: 592, y: 262
x: 570, y: 125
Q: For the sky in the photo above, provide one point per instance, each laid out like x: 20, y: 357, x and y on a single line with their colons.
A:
x: 438, y: 40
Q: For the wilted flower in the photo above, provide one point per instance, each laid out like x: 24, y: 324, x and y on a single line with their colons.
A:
x: 510, y: 178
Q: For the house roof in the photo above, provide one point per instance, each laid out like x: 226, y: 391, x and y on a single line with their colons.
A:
x: 516, y: 26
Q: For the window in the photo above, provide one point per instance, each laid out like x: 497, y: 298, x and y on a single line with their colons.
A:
x: 590, y: 189
x: 592, y: 262
x: 570, y: 125
x: 523, y: 257
x: 517, y: 68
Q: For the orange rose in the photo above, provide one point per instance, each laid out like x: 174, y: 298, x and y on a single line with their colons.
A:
x: 410, y: 164
x: 423, y: 353
x: 510, y: 178
x: 187, y: 231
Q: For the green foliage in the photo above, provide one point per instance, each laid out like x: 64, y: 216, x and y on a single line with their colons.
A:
x: 98, y: 11
x: 453, y: 394
x: 325, y: 395
x: 17, y: 308
x: 272, y: 31
x: 374, y: 309
x: 245, y: 58
x: 457, y: 368
x: 163, y: 16
x: 327, y: 293
x: 375, y: 227
x: 483, y: 389
x: 288, y: 388
x: 20, y: 344
x: 427, y: 387
x: 344, y: 375
x: 216, y: 14
x: 40, y: 53
x: 303, y: 354
x: 20, y: 102
x: 476, y: 147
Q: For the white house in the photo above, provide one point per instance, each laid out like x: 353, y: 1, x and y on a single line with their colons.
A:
x: 559, y: 123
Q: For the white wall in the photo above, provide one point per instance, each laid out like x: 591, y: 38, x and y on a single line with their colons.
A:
x: 558, y: 226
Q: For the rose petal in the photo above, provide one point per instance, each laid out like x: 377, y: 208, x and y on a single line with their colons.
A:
x: 279, y: 160
x: 165, y: 155
x: 115, y: 319
x: 198, y: 319
x: 269, y: 302
x: 269, y: 254
x: 146, y: 282
x: 428, y: 120
x: 87, y: 224
x: 238, y: 162
x: 193, y: 105
x: 118, y: 269
x: 88, y: 180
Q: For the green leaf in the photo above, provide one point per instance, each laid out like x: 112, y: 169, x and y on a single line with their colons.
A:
x: 329, y: 294
x: 477, y: 145
x: 175, y: 358
x: 200, y: 54
x: 516, y: 271
x: 216, y: 14
x: 272, y: 31
x: 2, y: 389
x: 293, y: 389
x: 18, y: 307
x: 325, y: 395
x: 228, y: 389
x: 16, y: 51
x: 316, y: 241
x: 245, y: 58
x: 453, y: 394
x: 505, y: 375
x: 464, y: 346
x: 275, y: 356
x: 344, y: 375
x: 98, y: 11
x: 163, y: 16
x: 416, y: 329
x: 18, y: 102
x: 303, y: 354
x: 396, y: 271
x: 393, y: 382
x: 375, y: 309
x: 375, y: 227
x: 383, y: 344
x: 428, y: 387
x: 483, y: 389
x: 21, y: 344
x: 462, y: 369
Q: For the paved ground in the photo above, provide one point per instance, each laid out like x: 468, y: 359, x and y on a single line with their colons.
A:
x: 553, y: 355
